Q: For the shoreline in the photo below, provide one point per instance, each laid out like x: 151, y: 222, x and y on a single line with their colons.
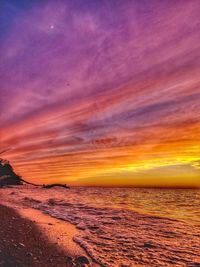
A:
x: 112, y: 236
x: 31, y: 238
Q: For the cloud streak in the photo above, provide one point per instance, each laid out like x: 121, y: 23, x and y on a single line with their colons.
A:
x: 96, y: 87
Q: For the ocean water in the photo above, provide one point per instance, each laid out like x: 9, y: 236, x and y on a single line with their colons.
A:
x: 125, y: 226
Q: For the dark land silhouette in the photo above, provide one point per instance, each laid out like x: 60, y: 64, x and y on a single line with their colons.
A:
x: 9, y: 177
x: 7, y: 174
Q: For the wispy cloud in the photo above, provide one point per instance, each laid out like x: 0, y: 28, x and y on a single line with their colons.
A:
x: 92, y: 87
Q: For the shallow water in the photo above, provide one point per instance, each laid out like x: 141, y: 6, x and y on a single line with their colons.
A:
x: 126, y: 226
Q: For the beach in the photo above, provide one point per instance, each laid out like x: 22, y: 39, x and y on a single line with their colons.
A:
x: 30, y: 238
x: 23, y: 244
x: 111, y: 227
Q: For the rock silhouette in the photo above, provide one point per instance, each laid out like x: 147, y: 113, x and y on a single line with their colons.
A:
x: 7, y: 174
x: 9, y: 177
x: 48, y: 186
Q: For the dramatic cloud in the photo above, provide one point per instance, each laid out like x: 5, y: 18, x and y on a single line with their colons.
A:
x: 90, y: 88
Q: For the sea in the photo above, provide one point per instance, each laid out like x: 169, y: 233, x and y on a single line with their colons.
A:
x: 125, y: 227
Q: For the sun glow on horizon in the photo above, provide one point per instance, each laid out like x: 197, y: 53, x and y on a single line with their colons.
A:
x: 98, y: 94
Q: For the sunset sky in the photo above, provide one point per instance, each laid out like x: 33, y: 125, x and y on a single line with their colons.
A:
x: 101, y: 92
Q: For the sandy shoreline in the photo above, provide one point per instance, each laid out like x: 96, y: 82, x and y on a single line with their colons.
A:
x: 76, y: 219
x: 30, y: 238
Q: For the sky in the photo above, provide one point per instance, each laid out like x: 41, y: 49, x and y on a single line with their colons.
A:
x: 101, y: 92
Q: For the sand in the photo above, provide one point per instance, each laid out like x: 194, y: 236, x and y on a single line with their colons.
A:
x: 30, y: 238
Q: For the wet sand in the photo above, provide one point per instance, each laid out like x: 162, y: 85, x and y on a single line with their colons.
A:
x: 35, y: 239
